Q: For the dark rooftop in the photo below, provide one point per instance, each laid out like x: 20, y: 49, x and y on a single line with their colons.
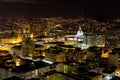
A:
x: 28, y: 66
x: 116, y: 51
x: 13, y: 78
x: 92, y: 74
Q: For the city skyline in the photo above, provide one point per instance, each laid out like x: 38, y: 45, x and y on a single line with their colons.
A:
x: 59, y: 40
x: 59, y: 48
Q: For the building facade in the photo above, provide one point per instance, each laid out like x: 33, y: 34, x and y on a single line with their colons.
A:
x: 27, y: 44
x: 113, y: 37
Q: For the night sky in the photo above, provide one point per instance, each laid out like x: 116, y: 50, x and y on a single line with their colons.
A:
x: 65, y: 8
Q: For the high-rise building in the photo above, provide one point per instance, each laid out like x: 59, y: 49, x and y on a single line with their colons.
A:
x: 27, y: 44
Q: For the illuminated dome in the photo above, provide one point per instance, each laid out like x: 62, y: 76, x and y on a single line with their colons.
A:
x: 79, y: 33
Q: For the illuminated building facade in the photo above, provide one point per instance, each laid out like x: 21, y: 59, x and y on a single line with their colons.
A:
x: 15, y: 39
x: 27, y: 44
x: 79, y: 35
x: 86, y: 40
x: 98, y: 40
